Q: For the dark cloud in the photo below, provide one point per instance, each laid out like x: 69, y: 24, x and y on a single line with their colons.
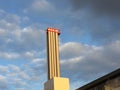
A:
x: 110, y: 7
x: 105, y: 30
x: 99, y: 18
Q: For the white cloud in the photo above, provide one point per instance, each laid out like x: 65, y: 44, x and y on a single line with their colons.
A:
x: 18, y: 39
x: 4, y: 69
x: 18, y: 82
x: 29, y: 38
x: 8, y: 25
x: 17, y: 72
x: 2, y: 78
x: 40, y: 6
x: 2, y: 31
x: 14, y: 68
x: 8, y: 19
x: 29, y: 54
x: 9, y: 56
x: 3, y: 83
x: 21, y: 89
x: 20, y: 76
x: 72, y: 60
x: 74, y: 49
x: 38, y: 60
x: 24, y: 75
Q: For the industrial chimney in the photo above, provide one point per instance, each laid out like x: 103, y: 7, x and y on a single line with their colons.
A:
x: 55, y: 82
x: 53, y: 53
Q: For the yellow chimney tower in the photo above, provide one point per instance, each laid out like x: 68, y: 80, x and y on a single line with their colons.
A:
x: 55, y: 82
x: 53, y: 53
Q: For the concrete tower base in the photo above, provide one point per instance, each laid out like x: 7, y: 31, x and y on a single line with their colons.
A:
x: 57, y: 83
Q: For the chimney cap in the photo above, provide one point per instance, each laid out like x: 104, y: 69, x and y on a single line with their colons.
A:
x: 49, y: 29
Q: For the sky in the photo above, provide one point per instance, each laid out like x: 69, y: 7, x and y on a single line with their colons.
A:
x: 89, y: 43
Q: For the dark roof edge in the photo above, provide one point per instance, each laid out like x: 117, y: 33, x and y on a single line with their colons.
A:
x: 101, y: 79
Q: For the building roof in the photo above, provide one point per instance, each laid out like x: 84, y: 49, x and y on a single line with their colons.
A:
x: 101, y: 80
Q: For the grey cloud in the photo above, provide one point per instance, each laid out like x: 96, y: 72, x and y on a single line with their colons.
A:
x: 4, y: 69
x: 98, y: 18
x: 97, y: 61
x: 100, y: 29
x: 110, y: 7
x: 105, y: 31
x: 73, y: 49
x: 3, y: 83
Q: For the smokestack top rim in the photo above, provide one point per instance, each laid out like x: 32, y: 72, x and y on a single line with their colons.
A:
x: 49, y: 29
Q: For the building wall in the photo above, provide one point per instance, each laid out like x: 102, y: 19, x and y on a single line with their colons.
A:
x: 98, y: 87
x: 113, y: 84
